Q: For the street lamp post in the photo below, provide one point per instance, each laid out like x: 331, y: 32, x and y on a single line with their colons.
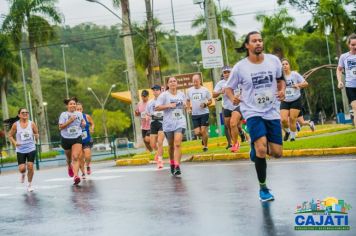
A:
x: 102, y: 105
x: 223, y: 34
x: 131, y: 109
x: 175, y: 37
x: 331, y: 72
x: 47, y: 123
x: 65, y: 68
x: 197, y: 64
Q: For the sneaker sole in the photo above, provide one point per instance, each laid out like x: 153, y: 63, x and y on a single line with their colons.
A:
x: 266, y: 200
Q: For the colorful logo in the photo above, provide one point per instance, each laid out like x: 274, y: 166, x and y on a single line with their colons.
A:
x: 328, y: 214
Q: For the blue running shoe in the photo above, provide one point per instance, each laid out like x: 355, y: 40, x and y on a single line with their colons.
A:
x: 252, y: 152
x: 265, y: 195
x: 298, y: 127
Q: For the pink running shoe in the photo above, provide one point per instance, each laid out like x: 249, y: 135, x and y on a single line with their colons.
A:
x: 70, y: 171
x: 76, y: 180
x: 88, y: 170
x: 235, y: 147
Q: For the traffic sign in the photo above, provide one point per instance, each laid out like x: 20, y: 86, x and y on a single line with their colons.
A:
x: 211, y: 53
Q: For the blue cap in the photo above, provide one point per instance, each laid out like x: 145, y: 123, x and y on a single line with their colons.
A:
x: 156, y: 87
x: 226, y: 68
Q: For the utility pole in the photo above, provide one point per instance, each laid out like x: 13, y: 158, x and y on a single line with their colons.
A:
x: 212, y: 30
x: 131, y: 67
x: 154, y: 70
x: 175, y: 37
x: 223, y: 34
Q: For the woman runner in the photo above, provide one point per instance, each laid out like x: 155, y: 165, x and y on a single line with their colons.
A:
x: 70, y: 124
x: 172, y: 102
x: 26, y: 133
x: 292, y: 104
x: 87, y: 141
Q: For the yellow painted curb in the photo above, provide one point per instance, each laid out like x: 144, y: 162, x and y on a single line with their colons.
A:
x: 129, y: 162
x: 340, y: 151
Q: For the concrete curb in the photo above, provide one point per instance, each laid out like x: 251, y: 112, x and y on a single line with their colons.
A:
x: 133, y: 162
x: 286, y: 153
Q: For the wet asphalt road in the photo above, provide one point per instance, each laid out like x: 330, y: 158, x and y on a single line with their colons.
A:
x: 219, y: 198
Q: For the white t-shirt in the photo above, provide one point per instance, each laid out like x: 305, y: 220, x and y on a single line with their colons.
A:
x: 226, y: 102
x: 293, y: 94
x: 197, y: 97
x: 173, y: 118
x: 150, y: 110
x: 258, y: 85
x: 348, y: 62
x: 74, y: 129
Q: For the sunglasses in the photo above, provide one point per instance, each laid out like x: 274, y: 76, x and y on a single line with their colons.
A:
x: 24, y: 112
x: 226, y: 72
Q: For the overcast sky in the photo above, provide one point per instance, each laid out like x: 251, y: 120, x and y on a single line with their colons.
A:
x: 79, y: 11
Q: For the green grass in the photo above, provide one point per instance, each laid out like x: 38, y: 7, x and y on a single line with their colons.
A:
x: 44, y: 155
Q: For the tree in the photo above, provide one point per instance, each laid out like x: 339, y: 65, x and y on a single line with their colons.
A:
x: 275, y: 31
x: 32, y: 16
x: 112, y: 122
x: 8, y: 70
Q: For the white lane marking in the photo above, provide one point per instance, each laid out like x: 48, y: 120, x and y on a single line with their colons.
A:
x: 278, y: 162
x: 59, y: 179
x: 4, y: 188
x: 146, y: 169
x: 5, y: 194
x: 105, y: 177
x: 48, y: 186
x: 91, y: 178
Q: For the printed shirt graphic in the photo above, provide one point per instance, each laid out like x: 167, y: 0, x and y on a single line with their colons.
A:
x: 348, y: 62
x: 150, y: 110
x: 145, y: 123
x: 226, y: 103
x: 197, y: 97
x: 259, y: 86
x: 293, y: 94
x: 24, y: 137
x: 173, y: 118
x: 74, y: 129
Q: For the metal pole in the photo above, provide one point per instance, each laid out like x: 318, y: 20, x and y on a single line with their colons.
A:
x: 23, y: 79
x: 30, y: 107
x: 223, y: 34
x: 65, y: 69
x: 332, y: 76
x: 131, y: 108
x: 175, y: 38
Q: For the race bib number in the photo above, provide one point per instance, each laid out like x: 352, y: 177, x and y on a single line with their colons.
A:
x: 158, y: 114
x: 197, y: 97
x: 177, y: 114
x: 290, y: 92
x: 25, y: 136
x: 84, y: 134
x: 263, y: 98
x: 143, y: 115
x: 73, y: 131
x: 353, y: 73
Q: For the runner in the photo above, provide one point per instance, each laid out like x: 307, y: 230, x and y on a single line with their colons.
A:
x: 347, y: 62
x: 301, y: 122
x: 26, y: 132
x: 198, y: 101
x: 70, y: 124
x: 157, y: 134
x: 232, y: 114
x: 261, y: 80
x: 145, y: 123
x: 87, y: 141
x: 292, y: 105
x: 172, y: 102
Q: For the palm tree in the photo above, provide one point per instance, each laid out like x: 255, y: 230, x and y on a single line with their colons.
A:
x: 33, y: 16
x: 275, y: 31
x: 227, y: 25
x: 8, y: 70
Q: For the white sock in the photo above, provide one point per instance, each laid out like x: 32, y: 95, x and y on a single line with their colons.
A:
x: 292, y: 135
x: 160, y: 158
x: 287, y: 130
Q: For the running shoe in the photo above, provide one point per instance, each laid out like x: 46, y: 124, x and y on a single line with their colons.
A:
x: 205, y: 149
x: 312, y: 125
x: 252, y: 152
x: 22, y: 178
x: 292, y: 137
x: 177, y: 171
x: 83, y: 176
x: 30, y: 188
x: 286, y: 136
x: 235, y: 147
x: 265, y: 195
x: 298, y: 126
x: 243, y: 137
x: 76, y: 180
x: 88, y: 170
x: 70, y: 171
x: 160, y: 164
x: 228, y: 146
x: 172, y: 169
